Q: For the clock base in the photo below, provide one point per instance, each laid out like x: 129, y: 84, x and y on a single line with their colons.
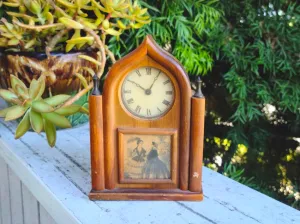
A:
x: 145, y: 195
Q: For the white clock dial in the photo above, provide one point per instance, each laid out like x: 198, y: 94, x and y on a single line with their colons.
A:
x: 147, y: 92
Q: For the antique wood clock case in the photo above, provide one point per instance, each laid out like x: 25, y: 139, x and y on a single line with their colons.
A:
x: 146, y: 130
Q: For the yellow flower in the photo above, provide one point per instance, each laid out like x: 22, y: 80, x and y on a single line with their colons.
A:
x: 225, y: 141
x: 212, y: 166
x: 289, y: 158
x: 281, y: 169
x: 217, y: 141
x: 242, y: 149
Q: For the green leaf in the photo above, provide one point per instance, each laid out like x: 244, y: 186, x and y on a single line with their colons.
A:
x: 82, y: 80
x: 37, y: 88
x: 5, y: 111
x: 22, y: 92
x: 68, y: 110
x: 84, y: 110
x: 70, y: 23
x: 57, y: 100
x: 42, y: 84
x: 15, y: 112
x: 112, y: 32
x: 42, y: 107
x: 137, y: 25
x: 8, y: 95
x: 149, y: 6
x: 81, y: 40
x: 69, y: 47
x: 23, y: 127
x: 33, y: 89
x: 88, y: 58
x: 16, y: 81
x: 57, y: 120
x: 50, y: 132
x: 36, y: 121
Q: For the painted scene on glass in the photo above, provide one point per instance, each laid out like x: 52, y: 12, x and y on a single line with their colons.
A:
x: 147, y: 156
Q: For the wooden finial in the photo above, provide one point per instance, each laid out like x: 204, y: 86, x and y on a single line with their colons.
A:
x: 96, y: 91
x: 198, y: 93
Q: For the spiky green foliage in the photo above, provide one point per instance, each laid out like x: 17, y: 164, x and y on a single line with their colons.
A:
x: 255, y: 85
x: 182, y: 27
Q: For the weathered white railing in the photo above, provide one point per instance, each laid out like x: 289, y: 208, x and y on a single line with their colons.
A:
x: 43, y: 185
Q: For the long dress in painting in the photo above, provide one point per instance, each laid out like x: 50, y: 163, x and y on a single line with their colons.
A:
x: 154, y: 167
x: 135, y: 163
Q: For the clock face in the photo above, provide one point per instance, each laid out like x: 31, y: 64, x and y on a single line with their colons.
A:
x: 147, y: 93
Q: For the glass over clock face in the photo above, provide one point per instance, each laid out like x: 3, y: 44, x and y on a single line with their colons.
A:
x: 147, y: 93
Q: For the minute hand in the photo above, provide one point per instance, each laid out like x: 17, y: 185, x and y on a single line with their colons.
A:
x: 154, y: 80
x: 138, y: 85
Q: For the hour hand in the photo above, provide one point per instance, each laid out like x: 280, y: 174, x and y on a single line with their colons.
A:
x: 137, y: 85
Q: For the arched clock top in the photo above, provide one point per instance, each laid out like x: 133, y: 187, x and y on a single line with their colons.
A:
x: 148, y: 49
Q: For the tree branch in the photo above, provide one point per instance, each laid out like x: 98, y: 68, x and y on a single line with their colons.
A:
x: 110, y: 55
x: 101, y: 49
x: 78, y: 95
x: 39, y: 27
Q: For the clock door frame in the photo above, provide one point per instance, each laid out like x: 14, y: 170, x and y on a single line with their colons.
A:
x: 172, y: 182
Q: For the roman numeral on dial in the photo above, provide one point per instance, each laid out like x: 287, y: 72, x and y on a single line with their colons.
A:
x: 148, y: 71
x: 148, y: 112
x: 130, y: 101
x: 138, y: 109
x: 166, y: 102
x: 139, y: 73
x: 167, y: 81
x: 127, y: 91
x: 169, y: 92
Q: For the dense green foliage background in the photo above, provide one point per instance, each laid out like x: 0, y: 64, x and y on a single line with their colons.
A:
x: 247, y: 52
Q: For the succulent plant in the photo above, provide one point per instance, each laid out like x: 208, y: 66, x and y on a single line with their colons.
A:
x: 48, y: 25
x: 33, y: 25
x: 36, y: 113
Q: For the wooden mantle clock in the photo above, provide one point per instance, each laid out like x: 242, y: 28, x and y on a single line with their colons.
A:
x: 146, y: 130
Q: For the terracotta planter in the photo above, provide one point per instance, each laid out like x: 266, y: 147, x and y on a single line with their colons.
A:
x: 59, y: 70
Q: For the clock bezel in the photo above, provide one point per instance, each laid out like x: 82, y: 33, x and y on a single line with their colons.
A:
x: 131, y: 113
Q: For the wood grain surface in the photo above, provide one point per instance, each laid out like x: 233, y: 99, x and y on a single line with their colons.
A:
x: 96, y: 137
x: 197, y: 140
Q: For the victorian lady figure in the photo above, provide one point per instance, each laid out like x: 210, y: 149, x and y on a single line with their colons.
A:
x: 139, y: 153
x: 154, y: 167
x: 136, y: 161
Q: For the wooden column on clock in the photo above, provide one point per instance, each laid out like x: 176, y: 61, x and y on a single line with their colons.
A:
x: 107, y: 140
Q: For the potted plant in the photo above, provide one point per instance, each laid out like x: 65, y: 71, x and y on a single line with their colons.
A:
x: 41, y: 86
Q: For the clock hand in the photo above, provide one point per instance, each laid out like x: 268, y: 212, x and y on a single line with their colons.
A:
x: 154, y: 81
x: 137, y: 85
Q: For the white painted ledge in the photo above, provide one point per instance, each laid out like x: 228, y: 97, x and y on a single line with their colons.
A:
x: 59, y: 178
